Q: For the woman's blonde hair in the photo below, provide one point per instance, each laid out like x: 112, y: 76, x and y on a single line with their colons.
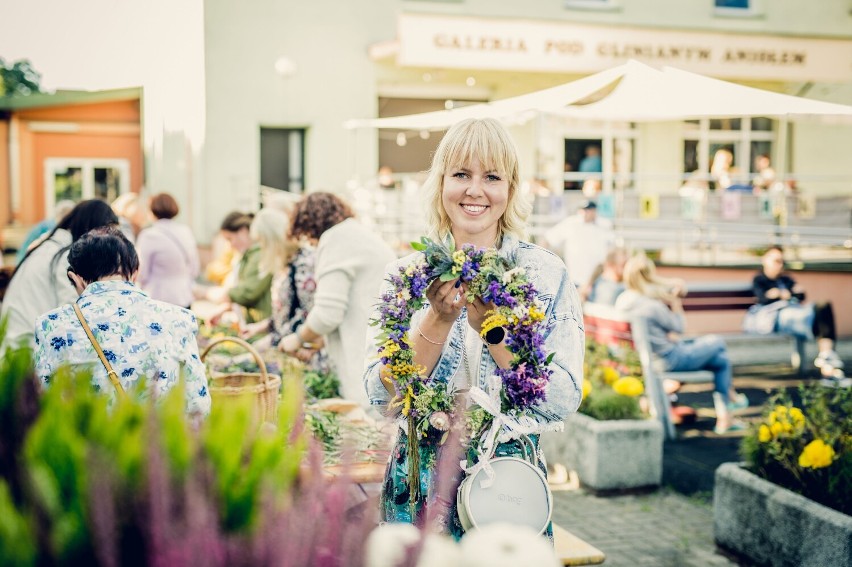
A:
x: 269, y: 229
x: 640, y: 274
x: 487, y: 141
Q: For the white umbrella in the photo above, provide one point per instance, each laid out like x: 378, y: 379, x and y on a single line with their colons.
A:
x: 546, y: 100
x: 647, y: 94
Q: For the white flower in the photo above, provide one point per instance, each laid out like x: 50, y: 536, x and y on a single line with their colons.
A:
x: 509, y: 275
x: 389, y: 544
x: 498, y: 545
x: 406, y: 294
x: 440, y: 421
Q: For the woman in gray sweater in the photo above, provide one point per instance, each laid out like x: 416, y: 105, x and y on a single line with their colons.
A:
x: 658, y: 301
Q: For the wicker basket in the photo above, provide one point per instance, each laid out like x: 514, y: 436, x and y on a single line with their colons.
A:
x: 227, y: 388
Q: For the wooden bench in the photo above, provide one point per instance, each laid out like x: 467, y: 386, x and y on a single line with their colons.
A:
x: 572, y: 550
x: 608, y: 325
x: 738, y: 296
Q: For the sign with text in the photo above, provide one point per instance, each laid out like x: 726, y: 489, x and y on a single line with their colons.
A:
x: 649, y: 206
x: 732, y: 205
x: 428, y: 40
x: 690, y: 207
x: 606, y: 205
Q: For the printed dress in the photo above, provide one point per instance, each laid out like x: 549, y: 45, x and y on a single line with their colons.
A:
x: 293, y: 292
x: 147, y: 342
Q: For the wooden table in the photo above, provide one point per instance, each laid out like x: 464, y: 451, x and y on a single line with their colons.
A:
x: 572, y: 550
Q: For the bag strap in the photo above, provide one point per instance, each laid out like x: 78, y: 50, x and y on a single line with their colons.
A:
x: 111, y: 374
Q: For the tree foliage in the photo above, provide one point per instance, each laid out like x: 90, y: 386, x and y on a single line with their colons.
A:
x: 18, y: 78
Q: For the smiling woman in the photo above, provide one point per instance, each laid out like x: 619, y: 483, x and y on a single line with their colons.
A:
x: 457, y: 341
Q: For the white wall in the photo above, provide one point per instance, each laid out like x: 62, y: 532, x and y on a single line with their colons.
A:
x: 333, y: 82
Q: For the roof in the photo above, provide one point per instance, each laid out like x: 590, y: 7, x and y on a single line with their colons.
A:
x: 62, y: 98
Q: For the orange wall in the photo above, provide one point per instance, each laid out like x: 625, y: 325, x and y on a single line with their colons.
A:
x: 107, y: 130
x: 818, y: 286
x: 43, y: 145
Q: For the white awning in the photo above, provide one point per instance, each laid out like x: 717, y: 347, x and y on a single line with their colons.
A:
x: 632, y: 91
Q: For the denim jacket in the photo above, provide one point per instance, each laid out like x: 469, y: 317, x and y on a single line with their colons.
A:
x: 564, y: 335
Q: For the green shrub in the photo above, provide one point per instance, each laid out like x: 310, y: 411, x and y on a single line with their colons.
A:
x: 136, y: 484
x: 807, y: 449
x: 606, y: 405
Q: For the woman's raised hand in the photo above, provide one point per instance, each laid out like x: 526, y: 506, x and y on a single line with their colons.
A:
x: 477, y: 312
x: 446, y: 299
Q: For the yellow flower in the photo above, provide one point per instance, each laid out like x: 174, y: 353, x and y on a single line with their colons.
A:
x: 628, y: 386
x: 610, y: 374
x: 458, y: 261
x: 763, y: 434
x: 816, y: 455
x: 388, y: 349
x: 587, y: 388
x: 406, y: 405
x: 797, y: 417
x: 776, y: 429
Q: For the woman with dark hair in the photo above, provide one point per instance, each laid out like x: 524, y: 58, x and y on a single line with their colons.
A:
x: 168, y: 255
x: 150, y: 345
x: 39, y: 282
x: 350, y: 264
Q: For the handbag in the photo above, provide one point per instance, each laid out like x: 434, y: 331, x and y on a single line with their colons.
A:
x: 111, y: 374
x: 518, y: 494
x: 762, y: 319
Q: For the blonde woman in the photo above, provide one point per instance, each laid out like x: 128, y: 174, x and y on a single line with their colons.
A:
x: 474, y: 197
x: 658, y: 301
x: 285, y: 258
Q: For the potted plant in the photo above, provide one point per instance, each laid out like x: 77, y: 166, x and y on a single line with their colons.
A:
x: 610, y: 442
x: 790, y: 502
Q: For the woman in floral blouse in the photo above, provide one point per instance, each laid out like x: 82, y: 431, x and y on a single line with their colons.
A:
x: 148, y: 343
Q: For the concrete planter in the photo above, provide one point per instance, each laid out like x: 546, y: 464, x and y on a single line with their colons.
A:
x: 609, y: 455
x: 773, y: 526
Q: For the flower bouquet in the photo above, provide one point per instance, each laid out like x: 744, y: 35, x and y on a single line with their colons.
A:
x: 806, y: 448
x: 426, y: 404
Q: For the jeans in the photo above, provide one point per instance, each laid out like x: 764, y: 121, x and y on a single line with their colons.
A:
x: 704, y: 353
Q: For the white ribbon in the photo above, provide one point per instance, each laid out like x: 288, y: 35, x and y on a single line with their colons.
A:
x: 503, y: 428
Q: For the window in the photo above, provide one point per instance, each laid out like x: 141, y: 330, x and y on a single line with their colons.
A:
x: 737, y: 4
x: 727, y: 148
x: 737, y: 8
x: 77, y: 179
x: 592, y: 5
x: 282, y: 158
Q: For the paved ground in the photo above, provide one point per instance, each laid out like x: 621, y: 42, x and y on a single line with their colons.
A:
x: 673, y: 526
x: 663, y: 528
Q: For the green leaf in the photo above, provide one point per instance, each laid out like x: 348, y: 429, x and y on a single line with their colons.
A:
x: 550, y: 357
x: 448, y: 277
x: 420, y: 247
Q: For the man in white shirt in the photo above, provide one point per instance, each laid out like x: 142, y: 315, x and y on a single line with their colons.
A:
x: 583, y: 241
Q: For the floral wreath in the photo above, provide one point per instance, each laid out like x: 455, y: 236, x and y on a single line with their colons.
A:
x: 425, y: 403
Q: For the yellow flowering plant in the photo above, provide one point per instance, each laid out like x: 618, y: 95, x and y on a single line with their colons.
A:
x: 806, y: 445
x: 612, y: 381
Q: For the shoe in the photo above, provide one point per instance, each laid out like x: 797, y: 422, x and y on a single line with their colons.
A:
x: 735, y: 425
x: 828, y: 358
x: 740, y: 403
x: 836, y: 380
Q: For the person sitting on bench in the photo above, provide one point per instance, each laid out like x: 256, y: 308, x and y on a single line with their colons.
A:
x: 659, y: 302
x: 779, y: 296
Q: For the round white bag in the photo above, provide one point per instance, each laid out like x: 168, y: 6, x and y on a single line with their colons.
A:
x: 519, y: 494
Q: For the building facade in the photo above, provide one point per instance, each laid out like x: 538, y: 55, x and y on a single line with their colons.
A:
x: 283, y: 77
